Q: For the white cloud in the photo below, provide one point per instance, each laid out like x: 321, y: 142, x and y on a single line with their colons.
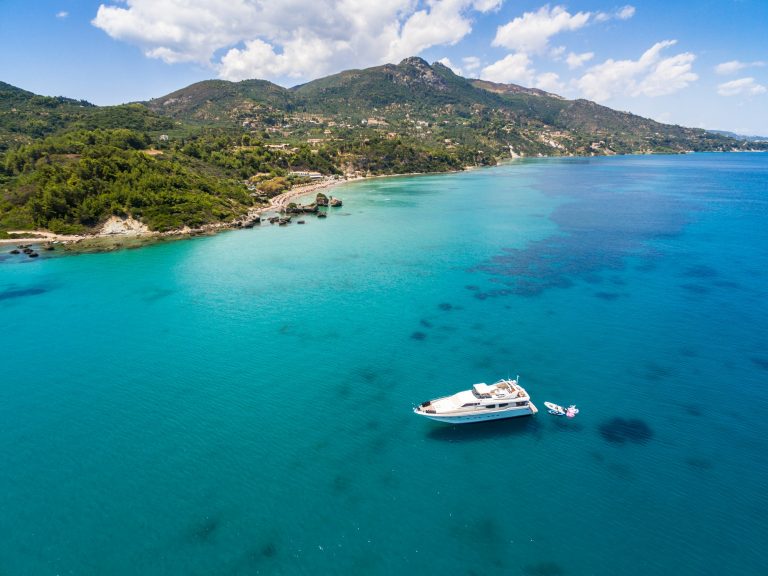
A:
x: 258, y: 59
x: 514, y: 68
x: 447, y: 62
x: 734, y: 66
x: 287, y: 38
x: 550, y: 82
x: 61, y: 15
x: 624, y: 13
x: 486, y: 5
x: 577, y: 60
x: 471, y: 63
x: 557, y: 52
x: 531, y: 31
x: 742, y: 86
x: 444, y: 23
x: 650, y: 75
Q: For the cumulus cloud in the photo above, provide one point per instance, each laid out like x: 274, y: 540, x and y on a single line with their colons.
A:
x: 550, y: 82
x: 577, y: 60
x: 514, y: 68
x: 650, y: 75
x: 531, y: 32
x: 471, y: 63
x: 624, y: 13
x: 61, y: 15
x: 447, y: 62
x: 734, y: 66
x: 287, y: 38
x: 486, y: 5
x: 557, y: 52
x: 741, y: 87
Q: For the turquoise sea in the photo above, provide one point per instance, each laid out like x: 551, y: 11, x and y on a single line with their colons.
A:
x: 241, y: 404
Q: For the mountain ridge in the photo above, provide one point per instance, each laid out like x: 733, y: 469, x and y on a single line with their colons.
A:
x: 473, y: 112
x: 212, y: 151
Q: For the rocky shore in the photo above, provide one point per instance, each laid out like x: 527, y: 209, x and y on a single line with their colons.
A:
x: 125, y: 232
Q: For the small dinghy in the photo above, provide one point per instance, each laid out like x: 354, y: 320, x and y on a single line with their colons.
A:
x: 558, y: 410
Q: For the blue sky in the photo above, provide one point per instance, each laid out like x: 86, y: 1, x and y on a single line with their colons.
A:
x: 701, y: 64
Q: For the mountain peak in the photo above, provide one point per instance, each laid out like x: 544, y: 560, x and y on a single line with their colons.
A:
x: 414, y: 61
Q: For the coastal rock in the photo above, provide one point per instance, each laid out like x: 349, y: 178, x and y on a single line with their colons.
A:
x: 122, y: 225
x: 321, y: 199
x: 335, y: 202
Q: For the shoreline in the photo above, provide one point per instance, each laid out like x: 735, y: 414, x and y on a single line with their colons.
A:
x: 142, y: 238
x: 135, y: 235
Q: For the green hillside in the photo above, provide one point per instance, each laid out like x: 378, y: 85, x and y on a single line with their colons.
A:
x: 218, y: 102
x: 210, y: 151
x: 25, y: 116
x: 429, y: 104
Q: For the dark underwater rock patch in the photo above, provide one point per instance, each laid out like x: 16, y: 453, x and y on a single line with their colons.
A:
x: 425, y: 323
x: 343, y: 390
x: 701, y: 271
x: 699, y: 463
x: 760, y: 362
x: 598, y: 231
x: 692, y: 410
x: 418, y: 336
x: 727, y: 284
x: 622, y: 430
x: 155, y: 294
x: 205, y: 531
x: 367, y: 373
x: 341, y: 483
x: 695, y: 288
x: 10, y: 293
x: 609, y: 296
x: 445, y: 306
x: 655, y: 371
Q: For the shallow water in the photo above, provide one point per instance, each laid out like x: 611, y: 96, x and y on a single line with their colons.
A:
x: 241, y: 404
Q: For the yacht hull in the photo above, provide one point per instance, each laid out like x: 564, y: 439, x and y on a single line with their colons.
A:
x: 467, y: 418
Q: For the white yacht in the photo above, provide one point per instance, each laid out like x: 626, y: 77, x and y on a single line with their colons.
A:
x: 504, y: 399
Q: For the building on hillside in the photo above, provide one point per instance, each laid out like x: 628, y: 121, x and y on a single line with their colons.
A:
x: 305, y: 174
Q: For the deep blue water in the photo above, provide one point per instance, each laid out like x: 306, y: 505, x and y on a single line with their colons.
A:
x: 241, y: 404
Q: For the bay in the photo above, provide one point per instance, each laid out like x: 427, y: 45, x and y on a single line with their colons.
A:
x: 241, y: 404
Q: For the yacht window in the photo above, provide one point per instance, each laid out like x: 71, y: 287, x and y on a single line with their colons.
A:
x: 470, y: 404
x: 503, y: 405
x: 491, y: 406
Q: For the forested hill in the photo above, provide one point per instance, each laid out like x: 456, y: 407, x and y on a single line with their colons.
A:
x: 211, y: 151
x: 431, y: 104
x: 25, y: 116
